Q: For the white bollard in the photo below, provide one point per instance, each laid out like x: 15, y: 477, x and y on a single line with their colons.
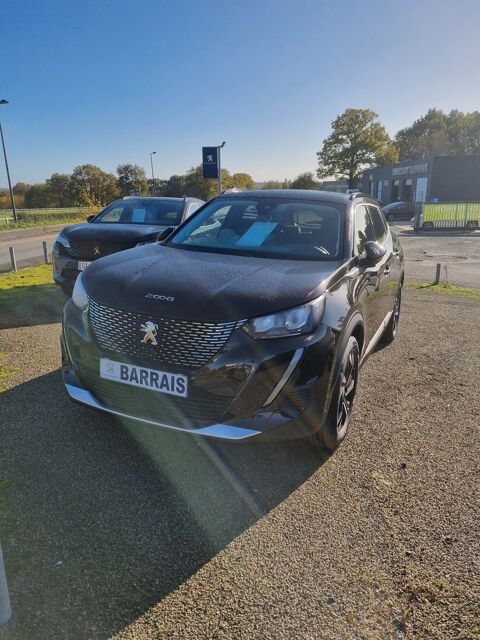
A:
x: 5, y: 608
x: 45, y: 252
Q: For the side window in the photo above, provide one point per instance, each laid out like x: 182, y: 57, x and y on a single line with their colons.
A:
x: 379, y: 225
x: 363, y: 228
x: 113, y: 215
x: 192, y: 208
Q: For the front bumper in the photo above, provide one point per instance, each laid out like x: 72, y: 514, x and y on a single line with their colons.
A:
x: 65, y: 269
x: 252, y: 389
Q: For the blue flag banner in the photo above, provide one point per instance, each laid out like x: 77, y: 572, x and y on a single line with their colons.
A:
x: 210, y: 162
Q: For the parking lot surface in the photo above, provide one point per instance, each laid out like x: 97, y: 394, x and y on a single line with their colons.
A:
x: 459, y: 255
x: 124, y: 531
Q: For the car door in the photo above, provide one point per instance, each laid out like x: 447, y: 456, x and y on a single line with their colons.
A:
x: 368, y: 291
x: 388, y: 271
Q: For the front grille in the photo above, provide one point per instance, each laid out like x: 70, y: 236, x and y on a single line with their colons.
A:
x: 199, y: 409
x: 180, y: 343
x: 91, y: 250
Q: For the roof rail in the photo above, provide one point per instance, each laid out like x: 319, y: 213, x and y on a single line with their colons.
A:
x: 359, y: 194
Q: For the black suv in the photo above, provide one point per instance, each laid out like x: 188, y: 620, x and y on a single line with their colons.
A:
x: 251, y: 320
x: 124, y: 224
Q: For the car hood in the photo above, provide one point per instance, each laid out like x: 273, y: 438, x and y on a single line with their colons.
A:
x: 210, y: 287
x: 103, y: 232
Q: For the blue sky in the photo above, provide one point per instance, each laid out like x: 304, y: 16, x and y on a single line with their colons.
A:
x: 107, y: 82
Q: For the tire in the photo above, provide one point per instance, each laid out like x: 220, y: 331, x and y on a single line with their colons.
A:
x: 392, y: 327
x: 67, y: 288
x: 472, y: 224
x: 339, y: 414
x: 428, y: 225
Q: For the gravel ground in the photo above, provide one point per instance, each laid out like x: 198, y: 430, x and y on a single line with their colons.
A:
x: 127, y: 532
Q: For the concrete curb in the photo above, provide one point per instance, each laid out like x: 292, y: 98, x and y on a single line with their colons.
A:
x: 32, y: 231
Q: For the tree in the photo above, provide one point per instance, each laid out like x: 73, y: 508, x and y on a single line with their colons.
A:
x: 272, y: 184
x: 357, y: 141
x: 21, y: 188
x: 39, y: 196
x: 305, y: 181
x: 131, y: 179
x: 93, y: 187
x: 60, y: 185
x: 242, y: 181
x: 439, y: 133
x: 174, y: 187
x: 198, y: 187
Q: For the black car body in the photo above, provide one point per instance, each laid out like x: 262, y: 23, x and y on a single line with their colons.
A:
x: 122, y: 225
x: 250, y: 321
x: 399, y: 211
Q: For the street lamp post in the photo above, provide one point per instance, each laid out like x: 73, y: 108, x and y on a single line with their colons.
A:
x: 219, y: 167
x: 14, y: 209
x: 154, y: 190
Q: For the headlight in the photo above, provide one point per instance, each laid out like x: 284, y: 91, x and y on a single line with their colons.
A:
x: 63, y: 241
x: 79, y: 295
x: 292, y: 322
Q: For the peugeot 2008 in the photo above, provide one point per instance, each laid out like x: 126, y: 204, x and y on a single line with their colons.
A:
x: 251, y: 320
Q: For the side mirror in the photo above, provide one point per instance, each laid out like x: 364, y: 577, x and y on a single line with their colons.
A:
x: 90, y: 218
x: 163, y: 235
x: 374, y: 252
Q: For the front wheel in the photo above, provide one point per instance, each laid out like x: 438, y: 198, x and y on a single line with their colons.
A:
x: 343, y: 396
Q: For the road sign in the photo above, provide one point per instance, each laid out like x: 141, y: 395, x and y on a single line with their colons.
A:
x: 210, y: 162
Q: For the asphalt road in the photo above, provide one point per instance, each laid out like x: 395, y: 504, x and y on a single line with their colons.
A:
x: 116, y: 530
x: 458, y: 254
x: 28, y: 251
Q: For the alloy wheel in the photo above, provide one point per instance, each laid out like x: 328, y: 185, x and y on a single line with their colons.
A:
x: 346, y: 396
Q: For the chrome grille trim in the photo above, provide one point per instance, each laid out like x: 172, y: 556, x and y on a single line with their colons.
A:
x: 86, y: 248
x: 181, y: 343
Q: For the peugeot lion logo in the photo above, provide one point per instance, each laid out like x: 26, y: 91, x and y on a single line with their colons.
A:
x: 96, y: 251
x: 150, y: 329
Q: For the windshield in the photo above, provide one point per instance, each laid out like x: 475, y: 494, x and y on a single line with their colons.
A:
x: 265, y: 227
x: 162, y: 212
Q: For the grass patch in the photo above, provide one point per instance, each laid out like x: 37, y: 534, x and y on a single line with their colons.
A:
x: 446, y: 289
x: 30, y: 277
x: 45, y: 217
x: 29, y: 297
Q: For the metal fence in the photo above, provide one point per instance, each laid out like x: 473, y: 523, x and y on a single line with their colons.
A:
x: 448, y: 215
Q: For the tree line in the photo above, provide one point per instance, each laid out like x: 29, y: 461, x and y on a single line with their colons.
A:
x: 357, y: 141
x: 90, y: 186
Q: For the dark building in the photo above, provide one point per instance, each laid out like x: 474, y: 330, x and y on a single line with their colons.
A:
x: 434, y: 179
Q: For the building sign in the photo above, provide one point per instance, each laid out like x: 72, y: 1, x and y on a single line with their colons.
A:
x: 210, y: 162
x: 410, y: 169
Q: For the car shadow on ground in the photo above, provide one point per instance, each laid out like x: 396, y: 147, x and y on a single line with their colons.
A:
x: 31, y: 305
x: 103, y: 519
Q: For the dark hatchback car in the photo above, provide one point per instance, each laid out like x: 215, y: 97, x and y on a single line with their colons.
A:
x: 399, y: 211
x: 251, y: 320
x: 124, y: 224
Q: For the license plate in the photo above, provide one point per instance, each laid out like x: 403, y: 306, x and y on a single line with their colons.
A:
x: 82, y: 265
x: 174, y: 384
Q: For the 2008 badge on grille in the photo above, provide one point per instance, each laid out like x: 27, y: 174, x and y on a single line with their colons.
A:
x: 179, y: 343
